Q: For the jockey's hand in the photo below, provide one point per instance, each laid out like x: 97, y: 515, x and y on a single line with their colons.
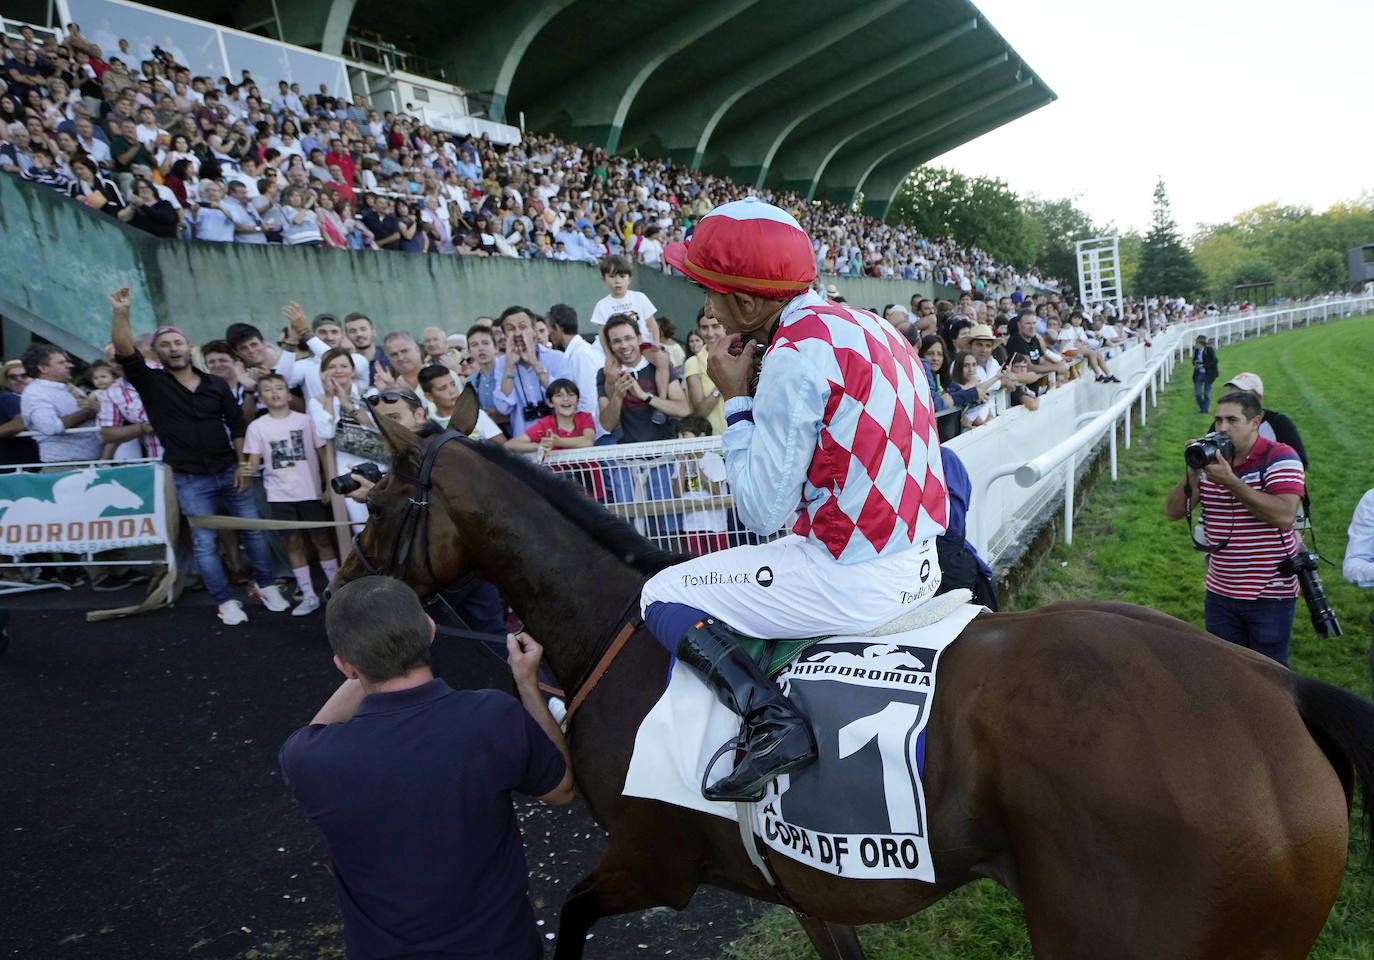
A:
x: 731, y: 367
x: 523, y: 655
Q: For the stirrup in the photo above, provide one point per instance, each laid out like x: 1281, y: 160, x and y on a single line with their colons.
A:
x: 736, y: 743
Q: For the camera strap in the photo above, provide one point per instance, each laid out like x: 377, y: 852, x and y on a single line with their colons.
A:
x: 1202, y: 546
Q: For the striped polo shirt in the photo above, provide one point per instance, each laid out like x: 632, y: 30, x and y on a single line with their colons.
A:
x: 1246, y: 568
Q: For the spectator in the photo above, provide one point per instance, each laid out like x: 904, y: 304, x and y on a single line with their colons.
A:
x: 1028, y: 389
x: 1249, y: 503
x: 92, y: 189
x: 699, y: 480
x: 616, y: 274
x: 150, y: 213
x: 966, y: 376
x: 283, y: 443
x: 437, y: 868
x: 435, y: 342
x: 1204, y: 373
x: 201, y: 428
x: 14, y: 448
x: 524, y: 372
x: 53, y: 407
x: 701, y: 390
x: 1276, y: 426
x: 584, y: 360
x: 238, y: 208
x: 1026, y: 342
x: 631, y: 407
x: 338, y: 413
x: 960, y: 564
x: 566, y: 427
x: 362, y: 334
x: 258, y: 355
x: 442, y: 390
x: 405, y: 365
x: 483, y: 379
x: 124, y: 426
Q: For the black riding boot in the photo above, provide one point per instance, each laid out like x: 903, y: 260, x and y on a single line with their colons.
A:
x: 777, y: 739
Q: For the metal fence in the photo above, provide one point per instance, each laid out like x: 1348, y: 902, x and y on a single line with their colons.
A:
x: 676, y: 494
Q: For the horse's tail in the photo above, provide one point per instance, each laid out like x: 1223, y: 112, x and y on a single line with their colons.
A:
x: 1343, y: 726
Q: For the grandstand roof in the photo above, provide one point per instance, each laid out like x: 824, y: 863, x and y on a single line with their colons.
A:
x: 826, y: 99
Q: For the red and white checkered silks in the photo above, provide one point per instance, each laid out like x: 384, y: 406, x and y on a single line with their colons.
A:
x: 876, y: 484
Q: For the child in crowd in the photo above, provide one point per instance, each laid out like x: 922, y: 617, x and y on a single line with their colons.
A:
x: 566, y: 428
x: 616, y: 273
x: 1027, y: 395
x: 484, y: 349
x: 284, y: 444
x: 102, y: 375
x: 699, y: 478
x: 441, y: 393
x: 966, y: 375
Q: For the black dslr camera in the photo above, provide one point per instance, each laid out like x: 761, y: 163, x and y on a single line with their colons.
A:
x: 1204, y: 450
x: 346, y: 483
x: 537, y: 411
x: 1304, y: 567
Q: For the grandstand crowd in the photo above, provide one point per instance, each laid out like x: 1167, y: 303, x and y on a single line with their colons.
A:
x: 140, y: 139
x: 134, y: 135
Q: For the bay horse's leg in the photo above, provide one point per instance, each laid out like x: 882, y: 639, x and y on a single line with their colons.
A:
x: 611, y: 888
x: 833, y: 941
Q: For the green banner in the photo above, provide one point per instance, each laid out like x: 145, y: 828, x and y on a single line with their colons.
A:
x: 82, y: 511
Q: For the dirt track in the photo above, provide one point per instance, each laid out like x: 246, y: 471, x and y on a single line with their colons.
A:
x: 145, y: 817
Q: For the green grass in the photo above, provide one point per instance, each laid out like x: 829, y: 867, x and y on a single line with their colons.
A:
x: 1124, y: 550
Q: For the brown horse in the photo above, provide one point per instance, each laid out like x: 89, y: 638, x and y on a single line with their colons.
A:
x: 1143, y: 788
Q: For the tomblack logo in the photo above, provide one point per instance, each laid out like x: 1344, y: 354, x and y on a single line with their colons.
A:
x: 925, y: 570
x: 764, y: 577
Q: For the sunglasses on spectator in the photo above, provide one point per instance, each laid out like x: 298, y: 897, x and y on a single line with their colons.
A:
x: 392, y: 396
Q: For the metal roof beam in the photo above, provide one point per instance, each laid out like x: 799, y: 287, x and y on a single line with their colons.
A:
x: 321, y: 22
x: 488, y: 56
x: 686, y: 129
x: 599, y: 105
x: 849, y: 174
x: 880, y: 190
x: 813, y: 160
x: 756, y: 138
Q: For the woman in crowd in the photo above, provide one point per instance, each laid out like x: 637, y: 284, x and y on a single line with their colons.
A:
x: 332, y: 230
x: 92, y: 189
x: 413, y: 239
x: 355, y: 233
x: 151, y: 213
x: 339, y: 414
x: 180, y: 149
x: 302, y: 226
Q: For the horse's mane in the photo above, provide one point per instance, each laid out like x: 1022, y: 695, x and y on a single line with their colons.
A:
x: 570, y: 500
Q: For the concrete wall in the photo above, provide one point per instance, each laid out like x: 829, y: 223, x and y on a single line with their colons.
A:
x: 58, y: 260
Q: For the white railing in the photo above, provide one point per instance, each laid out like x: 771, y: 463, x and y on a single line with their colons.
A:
x: 1041, y: 450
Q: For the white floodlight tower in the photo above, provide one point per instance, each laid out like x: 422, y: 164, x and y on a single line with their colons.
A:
x: 1099, y: 273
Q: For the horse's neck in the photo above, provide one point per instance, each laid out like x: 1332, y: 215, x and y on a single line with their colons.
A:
x: 571, y: 594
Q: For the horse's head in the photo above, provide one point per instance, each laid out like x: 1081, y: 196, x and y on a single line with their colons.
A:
x: 118, y: 496
x: 410, y: 533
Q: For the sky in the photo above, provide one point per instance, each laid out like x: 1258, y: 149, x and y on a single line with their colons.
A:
x: 1233, y: 103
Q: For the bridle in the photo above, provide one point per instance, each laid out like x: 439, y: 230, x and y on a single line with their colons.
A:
x: 414, y: 523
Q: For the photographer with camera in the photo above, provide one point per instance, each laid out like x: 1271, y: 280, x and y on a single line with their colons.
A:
x: 524, y: 373
x: 1249, y: 488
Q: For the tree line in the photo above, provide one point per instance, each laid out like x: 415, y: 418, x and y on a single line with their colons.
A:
x: 1290, y: 250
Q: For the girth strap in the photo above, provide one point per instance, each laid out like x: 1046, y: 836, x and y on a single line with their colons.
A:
x: 602, y: 665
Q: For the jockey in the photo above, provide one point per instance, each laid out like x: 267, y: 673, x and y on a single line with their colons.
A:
x: 839, y: 433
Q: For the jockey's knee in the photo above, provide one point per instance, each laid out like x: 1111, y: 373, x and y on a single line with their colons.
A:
x: 669, y: 621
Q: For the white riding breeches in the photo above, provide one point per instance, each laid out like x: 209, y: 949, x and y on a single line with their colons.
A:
x: 791, y: 588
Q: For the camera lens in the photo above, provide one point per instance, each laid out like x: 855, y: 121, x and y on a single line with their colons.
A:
x: 344, y: 484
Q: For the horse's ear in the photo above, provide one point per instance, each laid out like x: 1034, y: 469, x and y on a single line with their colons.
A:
x: 464, y: 419
x: 400, y: 440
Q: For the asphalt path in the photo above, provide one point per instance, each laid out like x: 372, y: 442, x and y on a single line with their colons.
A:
x: 144, y: 815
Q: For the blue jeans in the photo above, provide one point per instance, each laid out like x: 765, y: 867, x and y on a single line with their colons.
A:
x: 1264, y: 626
x: 210, y: 494
x: 1202, y: 392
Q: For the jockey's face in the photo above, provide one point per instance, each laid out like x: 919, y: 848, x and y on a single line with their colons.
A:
x: 742, y: 313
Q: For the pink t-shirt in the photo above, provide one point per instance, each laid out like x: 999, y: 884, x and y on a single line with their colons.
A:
x: 290, y: 466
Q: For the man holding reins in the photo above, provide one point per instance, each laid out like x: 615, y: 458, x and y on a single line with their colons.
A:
x: 839, y: 434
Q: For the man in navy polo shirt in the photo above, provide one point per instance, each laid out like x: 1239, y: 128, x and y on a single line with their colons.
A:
x: 410, y: 781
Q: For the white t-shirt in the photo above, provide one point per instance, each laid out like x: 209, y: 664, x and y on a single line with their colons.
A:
x: 634, y: 303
